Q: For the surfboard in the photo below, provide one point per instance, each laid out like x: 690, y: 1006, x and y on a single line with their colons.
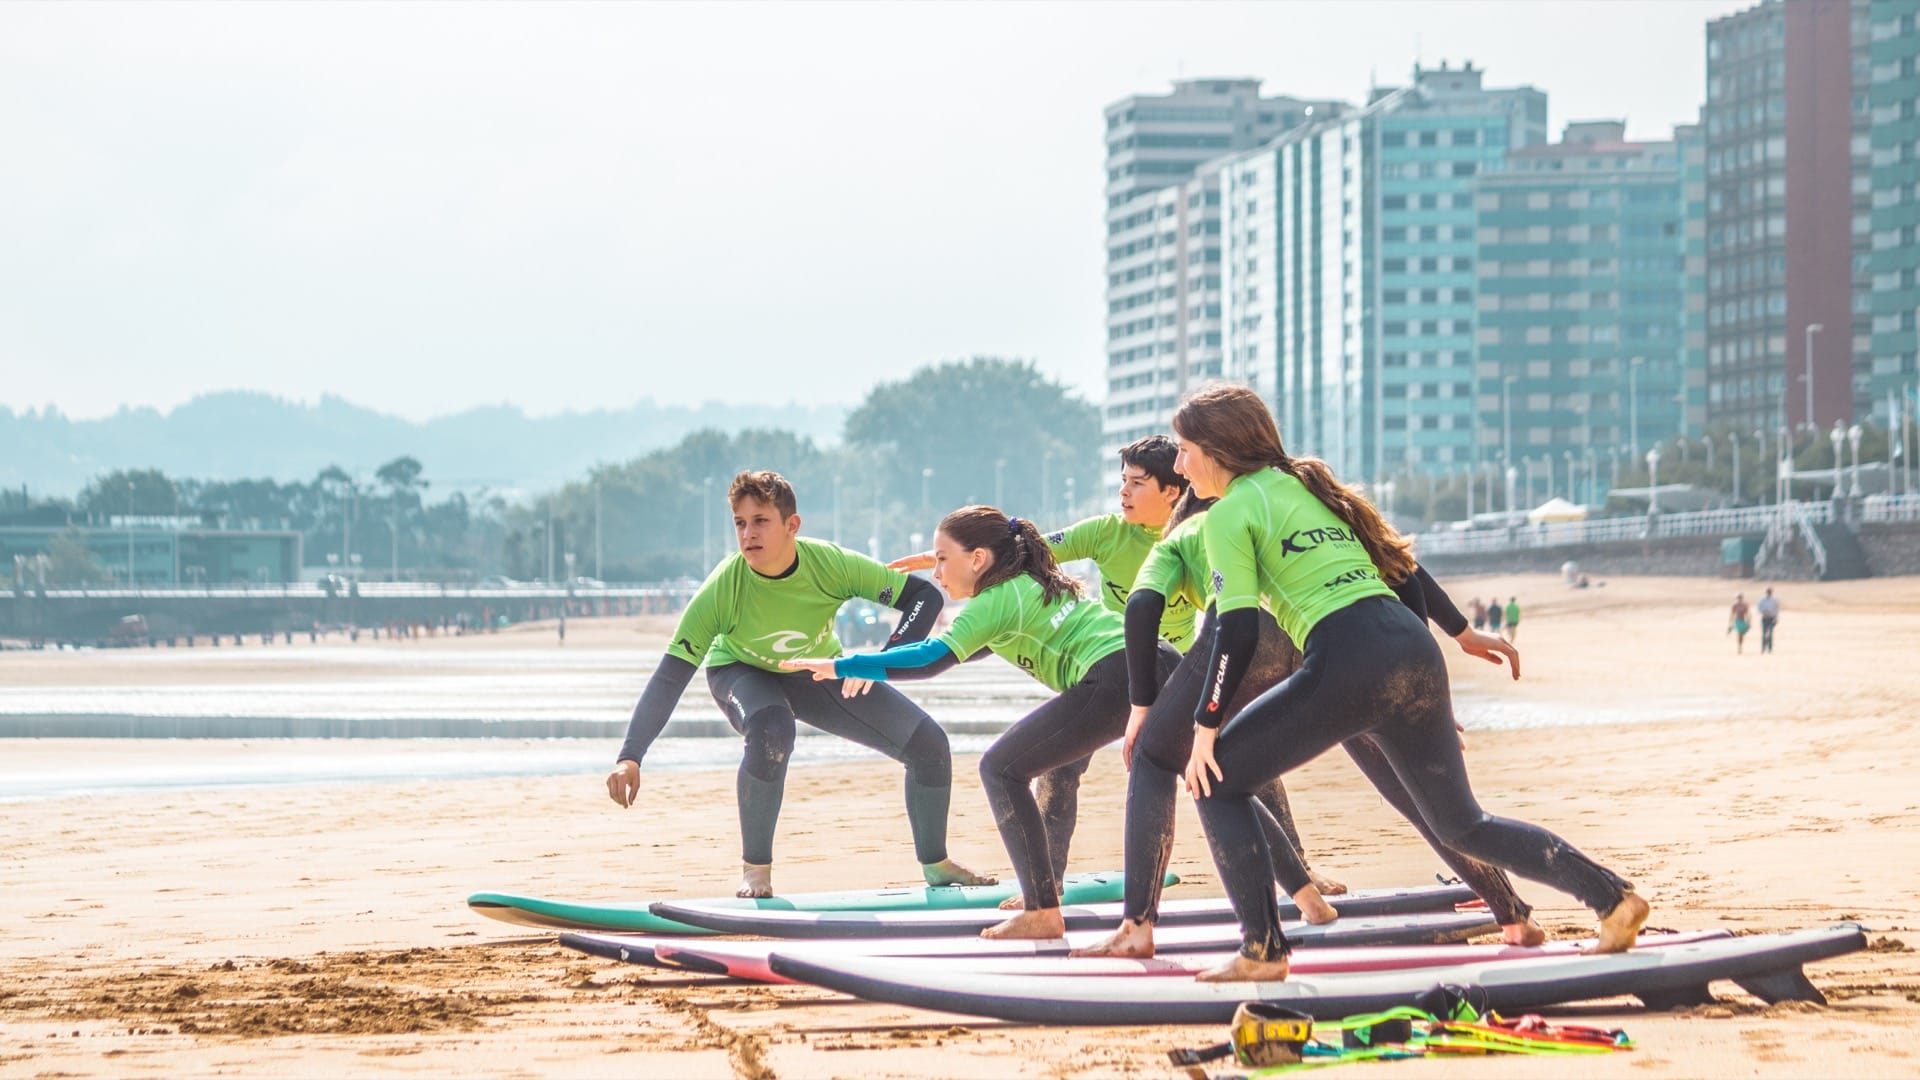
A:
x: 749, y: 959
x: 1430, y: 927
x: 634, y: 916
x: 1769, y: 966
x: 736, y: 919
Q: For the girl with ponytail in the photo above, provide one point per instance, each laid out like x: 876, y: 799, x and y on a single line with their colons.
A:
x: 1286, y: 529
x: 1025, y: 609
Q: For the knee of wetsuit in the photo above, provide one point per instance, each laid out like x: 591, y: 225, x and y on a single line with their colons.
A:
x: 928, y: 758
x: 770, y: 734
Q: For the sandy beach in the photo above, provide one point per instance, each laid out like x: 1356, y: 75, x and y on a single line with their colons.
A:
x: 303, y: 929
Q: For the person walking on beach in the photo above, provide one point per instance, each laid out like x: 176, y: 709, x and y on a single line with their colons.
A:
x: 1737, y: 624
x: 1513, y: 618
x: 1496, y: 612
x: 1025, y: 609
x: 1479, y: 614
x: 1160, y: 738
x: 774, y: 599
x: 1287, y: 529
x: 1118, y: 543
x: 1769, y: 615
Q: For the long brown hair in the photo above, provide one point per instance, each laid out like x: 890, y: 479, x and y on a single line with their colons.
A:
x: 1186, y: 506
x: 1017, y: 548
x: 1234, y: 427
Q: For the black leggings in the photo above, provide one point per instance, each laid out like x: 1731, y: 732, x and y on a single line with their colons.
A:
x: 1160, y: 755
x: 764, y: 705
x: 1065, y: 730
x: 1369, y: 668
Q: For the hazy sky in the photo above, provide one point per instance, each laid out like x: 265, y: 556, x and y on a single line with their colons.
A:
x: 423, y: 207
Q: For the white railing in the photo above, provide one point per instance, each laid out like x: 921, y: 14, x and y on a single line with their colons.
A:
x: 1879, y: 508
x: 1725, y: 522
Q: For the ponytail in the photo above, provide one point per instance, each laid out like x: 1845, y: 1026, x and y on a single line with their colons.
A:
x: 1017, y: 548
x: 1235, y: 428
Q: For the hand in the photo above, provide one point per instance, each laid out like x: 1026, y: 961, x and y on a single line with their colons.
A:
x: 920, y: 560
x: 851, y: 688
x: 1201, y: 762
x: 623, y: 783
x: 1489, y: 647
x: 822, y: 669
x: 1134, y: 720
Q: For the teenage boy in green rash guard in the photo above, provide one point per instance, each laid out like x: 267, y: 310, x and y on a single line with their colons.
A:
x: 1118, y: 545
x: 773, y: 600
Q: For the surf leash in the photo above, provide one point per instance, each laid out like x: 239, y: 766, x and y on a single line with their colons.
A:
x: 1449, y: 1021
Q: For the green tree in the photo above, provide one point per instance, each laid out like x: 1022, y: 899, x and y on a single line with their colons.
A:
x: 69, y: 562
x: 143, y: 492
x: 962, y: 419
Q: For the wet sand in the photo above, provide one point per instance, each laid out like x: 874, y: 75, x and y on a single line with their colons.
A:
x: 321, y: 928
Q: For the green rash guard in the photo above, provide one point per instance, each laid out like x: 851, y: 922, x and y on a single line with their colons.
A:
x: 741, y: 616
x: 1176, y: 568
x: 1055, y: 643
x: 1268, y: 535
x: 1119, y: 548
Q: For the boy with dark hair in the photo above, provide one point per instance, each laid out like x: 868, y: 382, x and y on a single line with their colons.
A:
x: 773, y: 600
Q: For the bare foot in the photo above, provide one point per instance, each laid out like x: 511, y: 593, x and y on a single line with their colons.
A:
x: 1527, y: 933
x: 1314, y: 908
x: 1013, y: 903
x: 755, y: 881
x: 1242, y: 969
x: 1038, y: 923
x: 1326, y: 885
x: 948, y: 872
x: 1620, y: 928
x: 1134, y: 939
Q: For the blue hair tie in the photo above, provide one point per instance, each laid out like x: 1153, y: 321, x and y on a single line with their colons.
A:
x: 1013, y: 526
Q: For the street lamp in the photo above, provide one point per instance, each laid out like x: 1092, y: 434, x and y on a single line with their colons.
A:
x: 1573, y: 485
x: 1807, y: 355
x: 1783, y: 467
x: 1837, y: 436
x: 1707, y: 441
x: 1613, y: 456
x: 1528, y: 462
x: 1513, y: 475
x: 1853, y: 437
x: 1759, y: 453
x: 1506, y: 421
x: 706, y: 524
x: 1653, y: 481
x: 1733, y: 440
x: 1593, y: 477
x: 1633, y: 403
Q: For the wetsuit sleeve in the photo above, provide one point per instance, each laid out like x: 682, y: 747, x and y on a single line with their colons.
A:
x: 1236, y: 634
x: 921, y: 660
x: 1144, y: 608
x: 977, y: 624
x: 1440, y: 607
x: 700, y: 623
x: 1081, y: 540
x: 919, y: 604
x: 656, y: 706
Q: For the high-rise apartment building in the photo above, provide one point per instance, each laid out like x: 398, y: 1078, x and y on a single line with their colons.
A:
x: 1788, y: 213
x: 1163, y: 294
x: 1350, y: 269
x: 1584, y: 340
x: 1894, y: 97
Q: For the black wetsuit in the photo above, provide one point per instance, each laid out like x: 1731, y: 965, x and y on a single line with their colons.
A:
x: 764, y: 706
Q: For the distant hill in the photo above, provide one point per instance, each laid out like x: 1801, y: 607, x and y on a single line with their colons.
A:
x: 237, y: 434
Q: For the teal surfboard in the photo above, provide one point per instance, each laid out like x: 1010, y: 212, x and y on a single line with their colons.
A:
x: 632, y: 917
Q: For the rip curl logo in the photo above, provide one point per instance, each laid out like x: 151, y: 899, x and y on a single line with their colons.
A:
x: 1349, y: 578
x: 886, y: 596
x: 1302, y: 541
x: 1060, y: 616
x: 786, y: 642
x: 1219, y: 582
x: 1055, y: 539
x: 1219, y: 685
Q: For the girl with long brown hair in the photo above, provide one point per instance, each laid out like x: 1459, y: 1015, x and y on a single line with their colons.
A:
x: 1024, y: 608
x: 1288, y: 529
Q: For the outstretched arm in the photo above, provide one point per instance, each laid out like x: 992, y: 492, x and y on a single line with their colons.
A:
x: 1144, y: 609
x: 650, y: 717
x: 921, y: 660
x: 919, y: 604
